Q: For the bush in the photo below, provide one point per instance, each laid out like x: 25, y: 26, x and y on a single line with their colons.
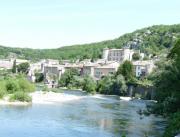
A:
x: 39, y: 77
x: 20, y: 96
x: 12, y: 86
x: 2, y: 89
x: 89, y: 85
x: 136, y: 56
x: 173, y: 127
x: 25, y: 85
x: 2, y: 93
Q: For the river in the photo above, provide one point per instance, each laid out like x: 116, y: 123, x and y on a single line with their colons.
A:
x: 90, y: 116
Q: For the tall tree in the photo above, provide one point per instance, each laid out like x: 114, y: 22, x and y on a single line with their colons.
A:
x: 23, y: 67
x: 89, y: 85
x: 14, y: 67
x: 126, y: 69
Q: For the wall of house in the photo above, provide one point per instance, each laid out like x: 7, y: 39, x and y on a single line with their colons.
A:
x: 99, y: 72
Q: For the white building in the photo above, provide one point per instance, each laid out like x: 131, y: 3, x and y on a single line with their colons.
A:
x: 143, y: 68
x: 118, y: 55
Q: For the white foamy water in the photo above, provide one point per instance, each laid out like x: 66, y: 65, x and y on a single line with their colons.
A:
x: 40, y: 97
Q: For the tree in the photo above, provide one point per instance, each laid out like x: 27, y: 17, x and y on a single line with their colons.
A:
x: 23, y: 67
x: 67, y: 79
x: 39, y: 77
x: 136, y: 56
x: 105, y: 84
x: 14, y: 67
x: 167, y: 83
x: 126, y: 69
x: 89, y: 85
x: 119, y: 85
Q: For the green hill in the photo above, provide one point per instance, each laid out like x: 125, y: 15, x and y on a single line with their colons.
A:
x: 151, y: 40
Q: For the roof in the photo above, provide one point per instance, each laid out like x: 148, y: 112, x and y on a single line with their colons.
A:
x: 90, y: 64
x: 143, y: 63
x: 110, y: 65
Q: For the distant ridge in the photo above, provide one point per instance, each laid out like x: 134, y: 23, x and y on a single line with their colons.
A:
x: 151, y: 40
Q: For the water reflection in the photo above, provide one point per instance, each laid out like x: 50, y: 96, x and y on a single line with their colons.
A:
x: 100, y: 116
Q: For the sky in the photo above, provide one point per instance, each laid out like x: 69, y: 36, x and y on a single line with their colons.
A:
x: 56, y: 23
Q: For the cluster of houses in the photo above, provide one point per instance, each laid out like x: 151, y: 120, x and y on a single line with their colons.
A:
x: 111, y: 60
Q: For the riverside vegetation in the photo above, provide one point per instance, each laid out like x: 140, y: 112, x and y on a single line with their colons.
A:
x: 17, y: 88
x: 166, y: 79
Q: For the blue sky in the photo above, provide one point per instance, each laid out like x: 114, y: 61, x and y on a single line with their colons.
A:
x: 56, y: 23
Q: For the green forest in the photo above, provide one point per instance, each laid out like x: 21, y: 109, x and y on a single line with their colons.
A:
x: 150, y: 40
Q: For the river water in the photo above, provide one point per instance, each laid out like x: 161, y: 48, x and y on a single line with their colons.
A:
x: 90, y: 116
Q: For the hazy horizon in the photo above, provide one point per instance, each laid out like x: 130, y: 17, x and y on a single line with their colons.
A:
x: 46, y: 24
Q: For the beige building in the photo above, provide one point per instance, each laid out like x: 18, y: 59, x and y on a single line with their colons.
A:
x: 53, y: 71
x: 105, y: 69
x: 118, y: 55
x: 88, y: 69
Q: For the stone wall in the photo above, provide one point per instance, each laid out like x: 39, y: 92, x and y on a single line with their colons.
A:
x: 141, y: 91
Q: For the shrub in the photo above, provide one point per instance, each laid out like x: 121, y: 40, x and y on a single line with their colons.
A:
x: 25, y: 85
x: 39, y: 77
x: 12, y: 86
x: 2, y: 89
x: 89, y: 85
x: 20, y: 96
x: 173, y: 127
x: 136, y: 56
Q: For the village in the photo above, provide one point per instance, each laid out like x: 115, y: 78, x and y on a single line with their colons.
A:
x: 52, y: 70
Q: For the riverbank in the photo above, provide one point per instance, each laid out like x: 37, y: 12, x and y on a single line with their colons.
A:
x: 5, y: 101
x: 40, y: 97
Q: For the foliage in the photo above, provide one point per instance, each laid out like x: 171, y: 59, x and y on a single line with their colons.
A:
x: 89, y: 85
x: 25, y: 85
x: 23, y: 67
x: 112, y: 85
x: 18, y: 83
x: 39, y: 77
x: 167, y: 82
x: 126, y: 69
x: 68, y: 78
x: 20, y: 96
x: 105, y: 84
x: 14, y: 67
x: 119, y: 86
x: 136, y: 56
x: 2, y: 89
x: 12, y: 85
x: 173, y: 127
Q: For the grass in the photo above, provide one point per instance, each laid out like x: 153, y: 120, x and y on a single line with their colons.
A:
x: 20, y: 96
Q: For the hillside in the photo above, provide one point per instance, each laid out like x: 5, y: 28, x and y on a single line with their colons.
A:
x: 151, y: 40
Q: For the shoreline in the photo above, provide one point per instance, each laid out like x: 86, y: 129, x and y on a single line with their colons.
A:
x: 42, y: 97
